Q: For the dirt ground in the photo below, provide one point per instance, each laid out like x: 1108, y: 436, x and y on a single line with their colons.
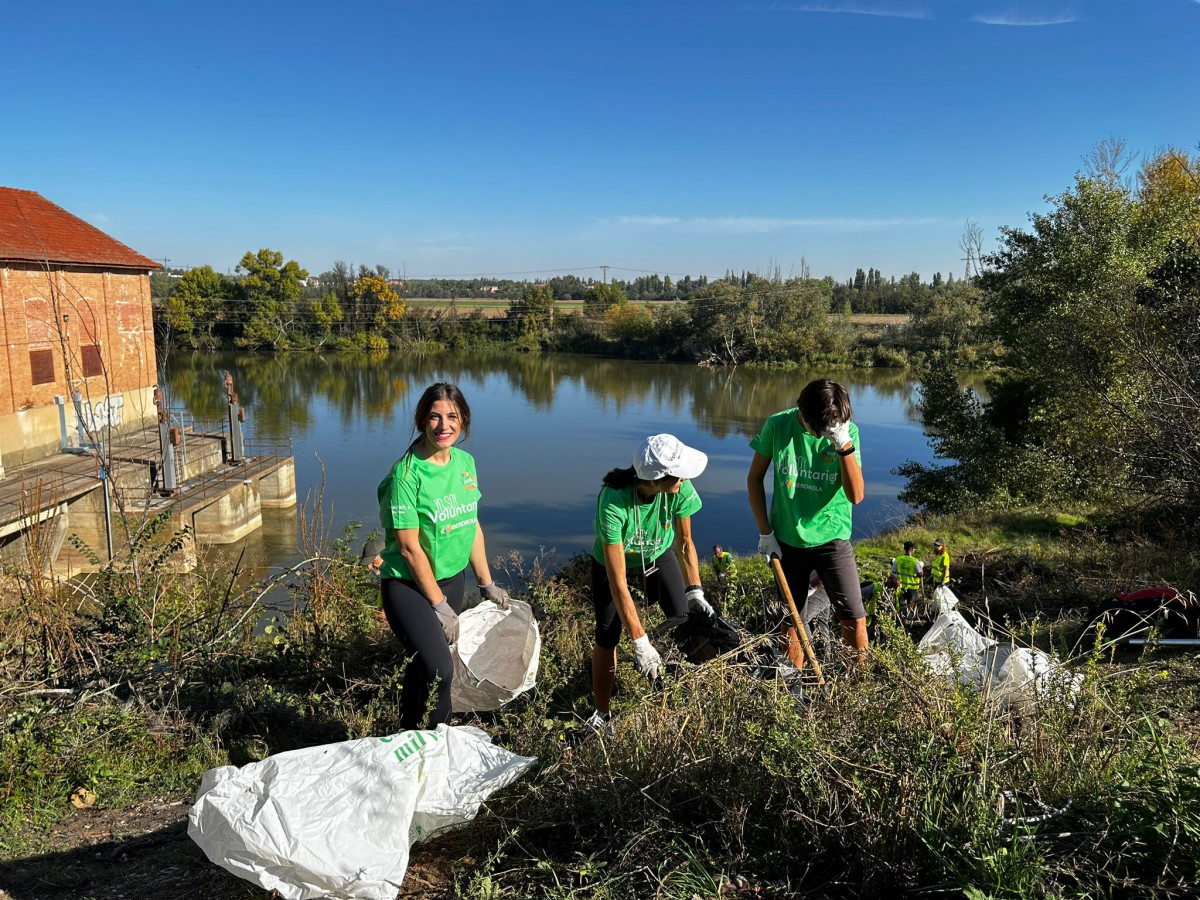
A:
x: 143, y: 852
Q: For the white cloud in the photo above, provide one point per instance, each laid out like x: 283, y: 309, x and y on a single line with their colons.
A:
x: 99, y: 218
x: 1033, y: 22
x: 656, y: 220
x: 852, y: 9
x: 763, y: 224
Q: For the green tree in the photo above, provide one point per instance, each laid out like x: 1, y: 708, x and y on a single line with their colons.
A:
x: 532, y: 316
x: 193, y: 305
x: 601, y: 297
x: 1086, y: 305
x: 325, y: 312
x: 270, y: 289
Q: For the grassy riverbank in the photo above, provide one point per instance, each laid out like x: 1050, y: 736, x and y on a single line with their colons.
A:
x: 721, y: 784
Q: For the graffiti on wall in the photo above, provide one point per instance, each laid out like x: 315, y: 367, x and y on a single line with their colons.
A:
x: 105, y: 413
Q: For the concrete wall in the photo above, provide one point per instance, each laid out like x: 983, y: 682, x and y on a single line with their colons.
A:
x: 278, y: 488
x: 30, y: 434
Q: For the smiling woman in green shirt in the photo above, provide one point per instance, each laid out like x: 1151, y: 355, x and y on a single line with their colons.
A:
x: 428, y: 508
x: 814, y: 450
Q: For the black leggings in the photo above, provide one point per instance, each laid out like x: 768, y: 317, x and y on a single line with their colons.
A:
x: 664, y: 587
x: 419, y: 630
x: 837, y: 568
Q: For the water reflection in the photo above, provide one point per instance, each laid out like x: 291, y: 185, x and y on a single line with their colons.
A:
x: 545, y: 428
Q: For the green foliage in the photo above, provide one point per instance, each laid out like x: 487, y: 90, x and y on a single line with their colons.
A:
x: 270, y: 291
x: 194, y: 303
x: 763, y: 320
x: 601, y: 298
x: 1098, y: 396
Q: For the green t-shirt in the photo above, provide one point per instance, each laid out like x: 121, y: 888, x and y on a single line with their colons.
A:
x: 440, y: 501
x: 645, y: 530
x: 808, y: 505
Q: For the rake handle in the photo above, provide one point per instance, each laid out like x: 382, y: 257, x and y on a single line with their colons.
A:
x: 801, y: 631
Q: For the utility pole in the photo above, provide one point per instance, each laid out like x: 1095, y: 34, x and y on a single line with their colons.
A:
x: 164, y: 261
x: 604, y: 275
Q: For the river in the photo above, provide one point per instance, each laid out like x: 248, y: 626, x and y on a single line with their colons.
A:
x: 544, y: 430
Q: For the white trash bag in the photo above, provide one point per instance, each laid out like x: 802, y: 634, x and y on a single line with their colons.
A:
x: 496, y: 656
x: 338, y: 820
x: 1011, y: 677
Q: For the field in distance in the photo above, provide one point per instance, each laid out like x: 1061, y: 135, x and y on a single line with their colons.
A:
x: 495, y: 309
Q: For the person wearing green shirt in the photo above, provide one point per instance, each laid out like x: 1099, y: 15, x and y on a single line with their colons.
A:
x: 428, y: 509
x: 814, y: 451
x: 643, y: 526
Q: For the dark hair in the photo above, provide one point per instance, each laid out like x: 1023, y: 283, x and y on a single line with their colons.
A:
x: 621, y: 478
x: 823, y: 403
x: 443, y: 390
x: 909, y: 545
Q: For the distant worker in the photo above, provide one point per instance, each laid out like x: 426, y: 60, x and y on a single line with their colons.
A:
x: 910, y: 571
x: 939, y: 571
x: 722, y: 562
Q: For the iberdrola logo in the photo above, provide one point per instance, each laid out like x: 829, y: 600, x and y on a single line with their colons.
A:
x: 469, y: 481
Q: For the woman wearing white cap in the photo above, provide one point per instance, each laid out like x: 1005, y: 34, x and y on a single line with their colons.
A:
x: 644, y: 527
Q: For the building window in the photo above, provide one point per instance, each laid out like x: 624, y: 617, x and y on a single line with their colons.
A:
x: 41, y: 366
x: 92, y: 364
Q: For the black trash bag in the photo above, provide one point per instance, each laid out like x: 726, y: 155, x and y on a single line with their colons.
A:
x: 699, y: 638
x: 1133, y: 614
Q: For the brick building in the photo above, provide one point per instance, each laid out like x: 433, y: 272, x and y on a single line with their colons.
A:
x: 75, y: 318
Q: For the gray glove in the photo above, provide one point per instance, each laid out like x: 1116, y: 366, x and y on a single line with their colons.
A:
x: 768, y: 546
x: 838, y: 434
x: 696, y: 601
x: 495, y: 593
x: 448, y: 619
x: 646, y: 659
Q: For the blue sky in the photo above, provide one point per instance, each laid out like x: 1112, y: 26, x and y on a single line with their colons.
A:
x: 460, y: 138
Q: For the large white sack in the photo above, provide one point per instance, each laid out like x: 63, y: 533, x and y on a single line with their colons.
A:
x: 1011, y: 677
x: 944, y: 599
x: 496, y: 656
x: 337, y: 820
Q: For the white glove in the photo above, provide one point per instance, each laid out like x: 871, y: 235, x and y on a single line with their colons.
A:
x: 495, y: 593
x: 768, y: 546
x: 696, y: 601
x: 838, y: 434
x: 448, y: 619
x: 646, y: 659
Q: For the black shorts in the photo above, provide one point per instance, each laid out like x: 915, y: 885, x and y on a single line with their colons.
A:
x: 837, y: 568
x: 664, y: 587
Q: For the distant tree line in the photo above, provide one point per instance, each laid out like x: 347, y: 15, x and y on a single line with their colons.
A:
x: 271, y: 304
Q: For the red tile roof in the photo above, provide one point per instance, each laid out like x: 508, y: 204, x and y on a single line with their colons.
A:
x: 32, y: 229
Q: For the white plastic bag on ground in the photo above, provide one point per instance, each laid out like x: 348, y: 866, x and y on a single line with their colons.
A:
x: 943, y: 599
x: 1011, y: 677
x: 337, y: 820
x: 496, y: 657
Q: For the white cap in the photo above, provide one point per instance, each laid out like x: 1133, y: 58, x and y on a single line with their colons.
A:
x: 665, y: 454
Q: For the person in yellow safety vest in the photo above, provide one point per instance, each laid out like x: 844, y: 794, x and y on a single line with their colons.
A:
x: 722, y: 562
x: 939, y: 571
x: 910, y: 571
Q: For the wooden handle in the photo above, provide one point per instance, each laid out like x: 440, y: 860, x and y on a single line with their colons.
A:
x: 801, y: 631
